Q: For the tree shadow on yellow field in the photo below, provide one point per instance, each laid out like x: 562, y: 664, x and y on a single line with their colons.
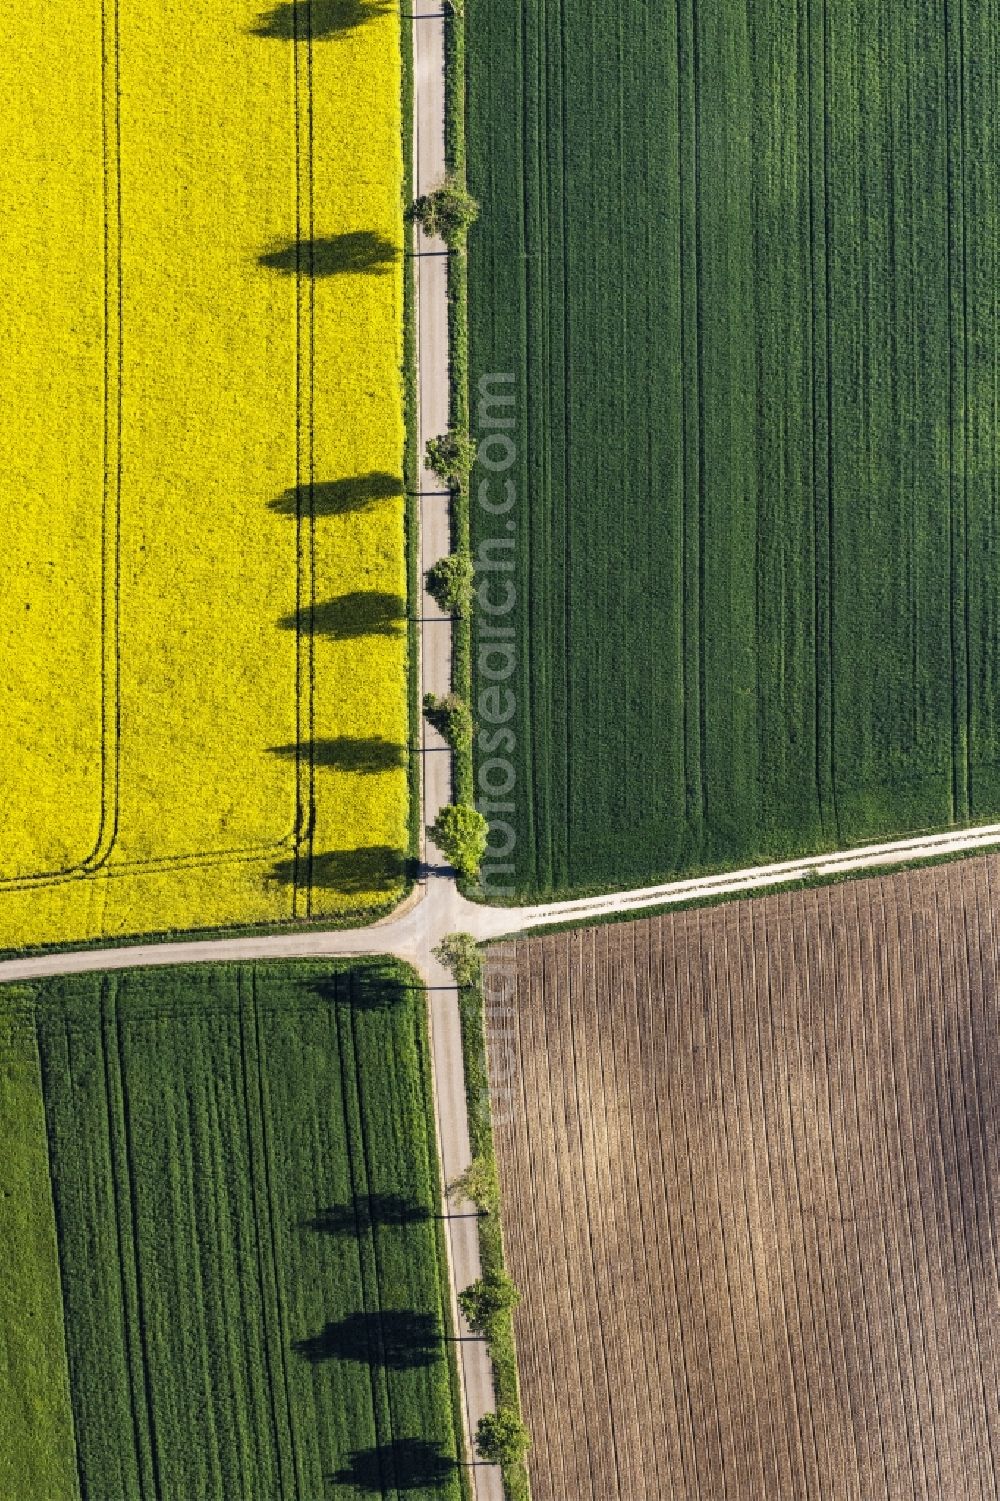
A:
x: 376, y: 869
x: 314, y: 20
x: 358, y: 252
x: 365, y: 612
x: 336, y: 497
x: 346, y: 753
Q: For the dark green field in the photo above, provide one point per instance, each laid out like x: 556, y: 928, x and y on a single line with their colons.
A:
x: 246, y: 1196
x: 743, y: 260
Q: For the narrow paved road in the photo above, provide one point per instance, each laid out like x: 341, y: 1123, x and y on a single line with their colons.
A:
x: 439, y: 909
x: 432, y: 386
x: 429, y: 165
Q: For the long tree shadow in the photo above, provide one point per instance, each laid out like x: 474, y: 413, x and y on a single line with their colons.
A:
x: 345, y: 753
x: 366, y: 989
x: 397, y: 1339
x: 374, y: 868
x: 337, y: 496
x: 407, y: 1464
x: 358, y: 252
x: 366, y: 1212
x: 365, y: 612
x: 313, y: 20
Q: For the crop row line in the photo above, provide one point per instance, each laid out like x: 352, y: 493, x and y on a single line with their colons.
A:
x: 256, y: 1105
x: 126, y: 1219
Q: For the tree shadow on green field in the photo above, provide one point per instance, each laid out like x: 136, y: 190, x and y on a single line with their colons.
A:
x: 365, y: 1213
x: 336, y: 497
x: 377, y: 869
x: 365, y: 612
x: 359, y: 252
x: 344, y: 753
x: 314, y: 20
x: 407, y: 1464
x: 369, y: 988
x: 396, y: 1339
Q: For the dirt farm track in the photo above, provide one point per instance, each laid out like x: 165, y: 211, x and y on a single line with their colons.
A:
x: 749, y: 1159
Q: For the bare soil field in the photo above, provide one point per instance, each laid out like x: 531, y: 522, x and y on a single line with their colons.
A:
x: 749, y: 1157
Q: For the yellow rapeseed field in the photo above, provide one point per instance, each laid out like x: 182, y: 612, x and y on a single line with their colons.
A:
x: 202, y: 619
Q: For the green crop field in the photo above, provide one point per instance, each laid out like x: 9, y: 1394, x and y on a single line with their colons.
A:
x: 36, y: 1421
x: 742, y: 262
x: 238, y: 1166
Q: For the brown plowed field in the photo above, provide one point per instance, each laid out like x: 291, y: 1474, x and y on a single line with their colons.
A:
x: 749, y: 1158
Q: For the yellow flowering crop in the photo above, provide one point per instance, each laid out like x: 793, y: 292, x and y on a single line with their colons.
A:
x: 202, y: 618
